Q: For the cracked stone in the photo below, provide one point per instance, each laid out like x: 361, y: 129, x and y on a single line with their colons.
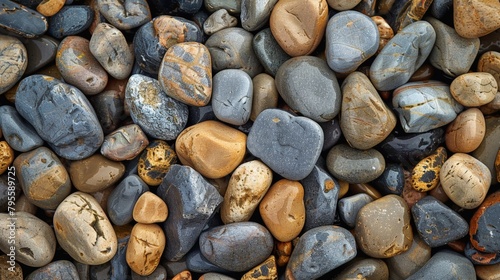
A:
x: 145, y: 248
x: 235, y: 105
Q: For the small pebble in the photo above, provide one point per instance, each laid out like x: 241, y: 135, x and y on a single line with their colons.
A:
x: 123, y: 198
x: 155, y: 161
x: 125, y: 15
x: 349, y: 207
x: 124, y: 143
x: 6, y: 156
x: 95, y: 173
x: 425, y: 175
x: 145, y: 247
x: 219, y: 20
x: 365, y: 269
x: 150, y: 209
x: 265, y: 95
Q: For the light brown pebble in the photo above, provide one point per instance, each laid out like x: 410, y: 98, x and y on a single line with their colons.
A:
x: 465, y: 180
x: 6, y: 156
x: 144, y: 248
x: 385, y: 31
x: 9, y: 271
x: 267, y: 270
x: 476, y: 18
x: 466, y: 132
x: 265, y: 94
x: 95, y: 173
x: 489, y: 62
x: 211, y: 148
x: 365, y: 188
x: 124, y: 143
x: 283, y: 251
x: 488, y: 272
x: 183, y: 275
x: 49, y: 8
x: 150, y: 209
x: 155, y: 162
x: 282, y: 209
x: 342, y: 5
x: 425, y: 175
x: 474, y: 89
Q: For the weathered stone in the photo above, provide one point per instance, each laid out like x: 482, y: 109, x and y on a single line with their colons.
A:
x: 265, y: 270
x: 20, y: 135
x: 95, y: 173
x: 484, y: 226
x: 155, y: 162
x: 473, y: 19
x: 21, y: 20
x: 124, y: 143
x: 255, y: 14
x: 265, y: 94
x: 349, y: 207
x: 474, y: 89
x: 14, y: 273
x: 13, y: 61
x: 145, y: 247
x: 70, y: 20
x: 62, y: 269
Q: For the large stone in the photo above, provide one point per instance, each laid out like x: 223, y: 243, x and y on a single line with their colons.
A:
x: 473, y: 19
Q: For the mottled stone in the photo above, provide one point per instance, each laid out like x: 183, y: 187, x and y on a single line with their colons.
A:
x: 474, y: 89
x: 473, y: 19
x: 13, y: 61
x: 124, y: 143
x: 403, y: 13
x: 367, y: 7
x: 405, y: 264
x: 145, y: 247
x: 20, y: 135
x: 21, y: 20
x: 268, y: 51
x: 409, y: 194
x: 122, y: 200
x: 264, y: 96
x: 62, y: 269
x: 6, y: 156
x: 70, y: 20
x: 10, y: 269
x: 150, y: 209
x: 125, y: 15
x: 232, y: 106
x: 265, y: 270
x: 466, y: 132
x: 487, y: 150
x: 155, y: 161
x: 425, y: 175
x: 365, y: 269
x: 219, y: 20
x: 183, y: 275
x: 282, y: 251
x: 255, y: 14
x: 445, y: 265
x: 349, y: 207
x: 391, y: 181
x: 95, y: 173
x: 484, y: 225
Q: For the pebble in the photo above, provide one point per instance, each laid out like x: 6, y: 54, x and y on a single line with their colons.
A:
x: 215, y: 276
x: 61, y: 269
x: 268, y: 51
x: 95, y: 173
x: 200, y: 114
x: 365, y: 188
x: 41, y: 51
x: 409, y: 194
x: 35, y: 243
x: 211, y: 148
x: 452, y: 53
x: 233, y: 7
x: 150, y: 209
x: 159, y: 115
x: 298, y: 26
x: 109, y: 106
x: 232, y: 106
x: 265, y: 270
x: 15, y: 273
x: 125, y: 15
x: 50, y: 7
x: 405, y: 264
x: 385, y: 31
x: 71, y: 129
x: 353, y: 165
x: 255, y: 14
x: 425, y: 175
x: 391, y: 181
x: 237, y: 246
x: 319, y: 251
x: 183, y: 275
x: 473, y: 19
x: 22, y: 21
x: 465, y: 180
x: 70, y: 20
x: 144, y: 248
x: 466, y: 132
x: 289, y: 145
x: 219, y: 20
x: 123, y: 198
x: 349, y: 207
x: 401, y: 14
x: 365, y: 119
x: 366, y: 269
x: 484, y: 225
x: 7, y: 191
x: 197, y: 263
x: 247, y: 186
x: 488, y: 272
x: 351, y: 39
x: 124, y: 143
x: 155, y: 161
x: 186, y: 75
x: 480, y: 258
x: 191, y: 201
x: 282, y: 209
x: 416, y: 104
x: 343, y: 5
x: 445, y: 265
x: 383, y: 227
x: 175, y: 6
x: 264, y: 96
x: 474, y: 89
x: 402, y: 56
x: 160, y: 273
x: 20, y: 135
x: 282, y: 251
x: 13, y: 61
x: 489, y: 62
x: 315, y: 92
x: 488, y: 149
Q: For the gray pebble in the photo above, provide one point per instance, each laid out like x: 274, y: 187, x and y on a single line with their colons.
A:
x: 446, y: 265
x: 196, y: 262
x: 255, y: 13
x: 233, y: 6
x: 219, y: 20
x: 122, y: 199
x: 20, y: 135
x: 268, y: 51
x: 13, y: 61
x: 232, y: 96
x: 20, y: 20
x: 61, y: 269
x: 349, y: 207
x: 125, y: 14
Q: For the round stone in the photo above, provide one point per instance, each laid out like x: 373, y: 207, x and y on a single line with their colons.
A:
x: 125, y: 15
x: 473, y: 19
x: 425, y: 175
x: 364, y: 268
x: 466, y: 132
x: 6, y: 156
x: 265, y: 94
x: 255, y: 13
x: 122, y: 200
x: 150, y: 209
x: 155, y: 161
x: 145, y: 247
x: 20, y: 135
x: 70, y: 20
x: 13, y: 61
x: 95, y: 173
x: 484, y: 226
x: 124, y: 143
x: 219, y: 20
x: 232, y: 106
x: 489, y: 62
x: 474, y: 89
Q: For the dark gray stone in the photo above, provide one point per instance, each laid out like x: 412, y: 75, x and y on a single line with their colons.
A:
x: 233, y: 6
x: 350, y: 206
x: 7, y: 190
x: 196, y: 262
x: 62, y: 269
x: 332, y: 133
x: 41, y: 51
x: 20, y: 20
x: 70, y: 20
x: 446, y: 265
x: 232, y: 106
x: 392, y: 181
x: 268, y: 51
x: 109, y: 107
x: 126, y: 14
x: 122, y: 199
x: 20, y: 135
x: 83, y: 270
x: 160, y: 273
x: 255, y: 13
x: 441, y: 8
x: 198, y: 114
x: 480, y: 258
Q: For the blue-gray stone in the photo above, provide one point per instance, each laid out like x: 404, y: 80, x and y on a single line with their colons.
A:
x: 125, y: 15
x: 319, y: 251
x: 392, y: 181
x: 119, y: 267
x: 20, y: 135
x: 159, y: 115
x: 70, y: 20
x: 160, y: 273
x: 148, y: 50
x: 237, y: 246
x: 268, y: 51
x: 110, y: 109
x: 480, y: 258
x: 351, y: 39
x: 402, y: 56
x: 289, y: 145
x: 61, y: 269
x: 446, y: 265
x: 232, y: 96
x: 20, y: 20
x: 232, y: 6
x: 255, y: 13
x: 349, y: 207
x: 426, y: 105
x: 309, y: 86
x: 122, y: 199
x: 332, y: 133
x: 196, y: 262
x: 61, y: 115
x: 83, y: 270
x: 41, y: 51
x: 191, y: 201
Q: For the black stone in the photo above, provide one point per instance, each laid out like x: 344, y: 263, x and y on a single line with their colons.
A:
x: 332, y: 132
x: 20, y: 135
x: 175, y: 7
x: 109, y: 108
x: 441, y: 8
x: 199, y: 114
x: 392, y: 180
x: 122, y: 200
x: 55, y: 270
x: 70, y: 20
x: 148, y: 50
x: 41, y: 51
x: 21, y: 20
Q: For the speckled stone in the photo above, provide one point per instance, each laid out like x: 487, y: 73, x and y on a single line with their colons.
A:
x: 123, y: 198
x: 145, y: 248
x: 125, y: 15
x: 159, y: 115
x: 150, y: 209
x: 402, y: 56
x: 299, y: 146
x: 255, y: 14
x: 219, y: 20
x: 405, y: 264
x: 319, y: 251
x: 124, y: 143
x: 488, y: 149
x: 416, y: 105
x: 473, y: 19
x: 268, y: 51
x: 20, y: 135
x: 465, y: 180
x: 191, y: 201
x: 265, y: 270
x: 391, y: 181
x: 232, y: 106
x: 95, y: 173
x: 13, y: 61
x: 70, y: 128
x: 383, y: 227
x: 425, y: 175
x: 233, y: 7
x: 474, y: 89
x: 237, y: 246
x: 155, y: 161
x: 14, y: 273
x: 445, y: 265
x: 484, y: 225
x: 310, y: 87
x: 264, y: 96
x: 349, y: 207
x: 32, y: 23
x: 365, y: 269
x: 466, y: 132
x: 62, y: 269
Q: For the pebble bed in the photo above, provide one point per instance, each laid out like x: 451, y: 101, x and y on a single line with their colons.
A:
x: 249, y: 139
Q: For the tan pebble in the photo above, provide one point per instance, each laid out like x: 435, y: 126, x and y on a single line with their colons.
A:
x: 150, y: 209
x: 365, y: 188
x: 425, y: 174
x: 267, y: 270
x: 283, y: 251
x: 283, y: 210
x: 474, y: 89
x: 476, y: 18
x: 489, y: 62
x: 465, y: 180
x: 466, y: 132
x: 95, y: 173
x: 144, y: 248
x: 49, y: 8
x: 6, y: 156
x: 211, y: 148
x: 265, y: 94
x: 247, y: 186
x: 497, y: 166
x: 385, y: 31
x: 10, y: 272
x: 488, y: 272
x: 342, y: 5
x: 183, y: 275
x: 155, y: 161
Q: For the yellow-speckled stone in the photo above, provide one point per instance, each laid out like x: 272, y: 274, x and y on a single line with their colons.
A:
x: 150, y: 209
x: 425, y: 175
x: 264, y: 271
x: 155, y: 162
x: 6, y: 156
x: 144, y: 248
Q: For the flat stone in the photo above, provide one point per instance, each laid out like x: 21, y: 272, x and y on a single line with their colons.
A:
x: 21, y: 20
x: 466, y: 132
x: 125, y: 15
x: 349, y: 207
x: 484, y: 225
x: 365, y: 268
x: 264, y: 96
x: 446, y: 265
x: 70, y: 20
x: 488, y: 149
x: 405, y: 264
x: 124, y: 143
x: 268, y: 51
x: 123, y: 198
x: 62, y: 269
x: 425, y: 175
x: 95, y: 173
x: 219, y: 20
x: 145, y: 247
x: 255, y: 14
x: 155, y: 161
x: 233, y: 7
x: 232, y: 106
x: 473, y: 19
x: 391, y: 181
x: 319, y: 251
x: 13, y: 61
x: 20, y: 135
x: 309, y: 86
x: 474, y: 89
x: 289, y: 145
x: 150, y: 209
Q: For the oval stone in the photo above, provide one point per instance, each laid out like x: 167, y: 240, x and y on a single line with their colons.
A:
x: 392, y: 180
x: 150, y: 209
x: 13, y: 61
x: 232, y: 106
x: 22, y: 20
x: 466, y: 132
x: 20, y: 135
x: 425, y: 175
x: 265, y: 94
x: 49, y: 8
x: 474, y: 89
x: 123, y: 198
x: 217, y: 21
x: 95, y: 173
x: 484, y: 225
x: 144, y: 248
x: 124, y: 143
x: 155, y: 162
x: 255, y: 13
x: 125, y: 15
x: 70, y: 20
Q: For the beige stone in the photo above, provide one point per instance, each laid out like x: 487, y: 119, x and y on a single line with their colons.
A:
x: 489, y: 62
x: 145, y: 247
x: 49, y: 8
x: 95, y: 173
x: 466, y: 132
x: 474, y: 89
x: 476, y: 18
x: 265, y: 94
x: 150, y: 209
x: 488, y: 272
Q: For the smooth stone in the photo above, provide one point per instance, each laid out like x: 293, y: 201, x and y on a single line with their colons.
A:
x: 265, y: 270
x: 160, y: 273
x: 383, y: 227
x: 289, y: 145
x: 177, y: 7
x: 466, y: 132
x: 265, y: 95
x: 238, y: 246
x: 200, y: 114
x: 183, y: 275
x: 124, y: 143
x: 155, y: 161
x: 480, y: 258
x: 232, y: 48
x: 452, y: 53
x: 310, y: 87
x: 70, y: 20
x: 441, y: 8
x: 445, y: 265
x: 489, y: 62
x: 50, y: 7
x: 425, y: 175
x: 405, y: 264
x: 365, y: 188
x: 79, y: 67
x: 74, y: 137
x: 343, y: 5
x: 474, y: 89
x: 298, y: 26
x: 185, y: 73
x: 402, y: 56
x: 219, y: 20
x: 196, y: 262
x: 247, y: 186
x: 365, y: 119
x: 125, y: 15
x: 353, y: 165
x: 255, y: 14
x: 109, y: 107
x: 416, y: 104
x: 465, y: 180
x: 488, y: 272
x: 232, y: 106
x: 13, y: 61
x: 21, y: 21
x: 404, y: 13
x: 268, y: 51
x: 319, y: 251
x: 484, y: 225
x: 41, y: 51
x: 488, y: 149
x: 145, y: 248
x: 349, y: 207
x: 83, y: 270
x: 351, y: 39
x: 283, y: 211
x: 62, y: 269
x: 194, y: 32
x: 233, y: 7
x: 215, y: 276
x: 439, y: 194
x: 191, y: 201
x: 123, y: 198
x: 14, y: 273
x: 159, y: 115
x: 150, y: 209
x: 20, y: 135
x: 365, y: 269
x: 473, y: 19
x: 95, y: 173
x: 35, y: 243
x: 392, y: 180
x: 6, y: 156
